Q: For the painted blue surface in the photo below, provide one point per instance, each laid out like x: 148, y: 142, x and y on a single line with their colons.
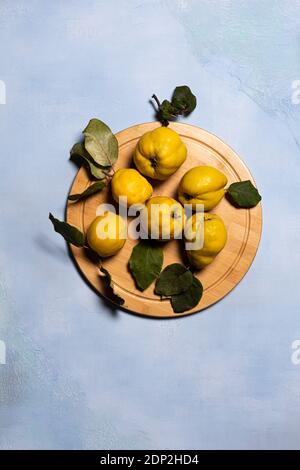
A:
x: 76, y: 375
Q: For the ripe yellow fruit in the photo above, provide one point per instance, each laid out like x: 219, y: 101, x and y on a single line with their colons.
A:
x: 130, y: 183
x: 159, y: 153
x: 107, y: 234
x: 214, y: 237
x: 202, y: 185
x: 163, y: 218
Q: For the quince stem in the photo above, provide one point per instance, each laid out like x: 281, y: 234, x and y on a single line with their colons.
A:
x: 154, y: 97
x: 163, y: 122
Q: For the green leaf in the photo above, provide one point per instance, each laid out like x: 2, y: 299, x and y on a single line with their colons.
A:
x: 110, y: 292
x: 167, y: 111
x: 101, y: 143
x: 92, y: 189
x: 188, y: 299
x: 243, y: 194
x: 80, y: 151
x: 174, y: 279
x: 145, y: 263
x: 70, y: 233
x: 184, y: 100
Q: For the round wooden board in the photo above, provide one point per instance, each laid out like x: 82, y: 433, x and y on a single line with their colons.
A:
x: 243, y: 226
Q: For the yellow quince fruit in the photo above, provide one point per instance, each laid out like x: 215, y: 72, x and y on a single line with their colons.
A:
x: 130, y: 183
x: 107, y: 234
x: 213, y: 238
x: 159, y: 153
x: 163, y: 218
x: 202, y: 185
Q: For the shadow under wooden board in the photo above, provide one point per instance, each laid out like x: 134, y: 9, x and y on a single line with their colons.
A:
x: 243, y: 225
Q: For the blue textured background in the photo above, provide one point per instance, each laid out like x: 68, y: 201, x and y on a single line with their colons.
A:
x: 78, y: 376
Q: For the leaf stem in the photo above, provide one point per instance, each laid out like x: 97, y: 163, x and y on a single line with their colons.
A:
x: 154, y: 97
x: 108, y: 175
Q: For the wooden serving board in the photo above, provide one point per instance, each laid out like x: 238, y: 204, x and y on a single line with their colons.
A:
x: 243, y: 226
